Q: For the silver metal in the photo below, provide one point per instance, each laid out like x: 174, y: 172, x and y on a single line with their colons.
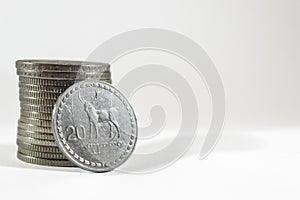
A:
x: 62, y: 65
x: 35, y: 108
x: 45, y: 155
x: 42, y: 161
x: 63, y: 76
x: 36, y: 141
x: 34, y: 128
x: 38, y: 95
x: 41, y: 82
x: 36, y: 115
x: 36, y: 135
x: 94, y: 126
x: 36, y: 122
x: 42, y: 88
x: 35, y: 101
x: 51, y: 82
x: 39, y: 148
x: 45, y: 82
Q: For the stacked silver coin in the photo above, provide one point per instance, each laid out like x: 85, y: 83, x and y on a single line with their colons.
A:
x: 41, y: 82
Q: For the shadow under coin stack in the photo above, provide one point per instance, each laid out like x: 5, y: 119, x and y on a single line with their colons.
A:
x: 41, y: 82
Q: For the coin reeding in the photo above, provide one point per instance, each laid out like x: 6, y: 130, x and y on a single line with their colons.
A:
x: 39, y: 148
x: 45, y: 155
x: 36, y: 122
x: 37, y: 115
x: 31, y: 127
x: 61, y: 65
x: 42, y: 161
x: 63, y: 76
x: 36, y: 141
x: 51, y: 82
x: 35, y: 135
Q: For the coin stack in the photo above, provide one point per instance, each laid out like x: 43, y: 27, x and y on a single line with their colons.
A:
x: 41, y: 82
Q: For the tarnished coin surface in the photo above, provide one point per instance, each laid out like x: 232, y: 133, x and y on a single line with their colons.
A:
x: 94, y: 126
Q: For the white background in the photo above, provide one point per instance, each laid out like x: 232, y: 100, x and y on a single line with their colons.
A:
x: 255, y: 47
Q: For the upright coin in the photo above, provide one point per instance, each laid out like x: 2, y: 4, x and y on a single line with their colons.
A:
x: 94, y: 126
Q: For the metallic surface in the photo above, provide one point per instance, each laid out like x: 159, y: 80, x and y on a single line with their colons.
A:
x: 37, y: 154
x: 43, y: 161
x: 95, y: 126
x: 41, y: 82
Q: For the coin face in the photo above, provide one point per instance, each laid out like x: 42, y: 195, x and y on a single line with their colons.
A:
x: 94, y: 126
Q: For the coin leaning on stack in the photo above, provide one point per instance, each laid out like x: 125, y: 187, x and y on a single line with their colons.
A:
x: 41, y: 82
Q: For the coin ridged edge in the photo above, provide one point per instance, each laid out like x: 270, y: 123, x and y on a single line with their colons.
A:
x: 42, y: 161
x: 45, y: 155
x: 39, y: 148
x: 36, y: 141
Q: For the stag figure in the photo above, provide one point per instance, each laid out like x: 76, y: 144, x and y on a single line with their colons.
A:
x: 100, y: 116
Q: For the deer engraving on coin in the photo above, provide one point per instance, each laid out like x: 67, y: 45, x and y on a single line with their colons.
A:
x: 98, y: 117
x: 95, y: 126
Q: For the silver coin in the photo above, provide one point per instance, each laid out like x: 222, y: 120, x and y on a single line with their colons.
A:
x: 42, y: 161
x: 46, y: 82
x: 36, y: 122
x: 45, y: 155
x: 94, y: 126
x: 67, y: 72
x: 35, y: 135
x: 31, y: 127
x: 42, y: 88
x: 35, y: 108
x: 63, y: 76
x: 39, y: 148
x: 34, y: 101
x: 49, y: 82
x: 36, y: 141
x: 36, y: 115
x: 61, y: 65
x: 38, y: 94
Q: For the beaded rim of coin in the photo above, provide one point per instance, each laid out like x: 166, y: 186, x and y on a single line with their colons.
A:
x: 70, y: 153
